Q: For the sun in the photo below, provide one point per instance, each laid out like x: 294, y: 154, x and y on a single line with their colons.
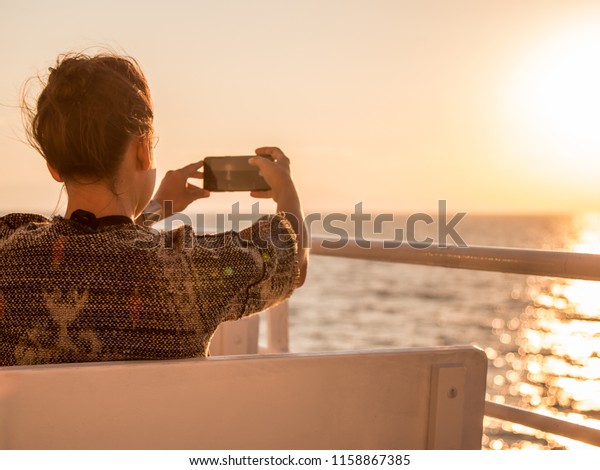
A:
x: 554, y: 93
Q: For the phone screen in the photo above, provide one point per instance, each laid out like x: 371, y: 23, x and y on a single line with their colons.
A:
x: 232, y: 174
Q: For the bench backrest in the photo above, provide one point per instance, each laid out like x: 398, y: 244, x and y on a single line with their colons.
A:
x: 398, y: 399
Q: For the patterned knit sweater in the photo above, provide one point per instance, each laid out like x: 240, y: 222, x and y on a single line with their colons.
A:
x: 69, y: 293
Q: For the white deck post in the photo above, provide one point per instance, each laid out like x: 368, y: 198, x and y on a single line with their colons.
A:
x: 236, y: 337
x: 241, y: 336
x: 446, y: 406
x: 277, y: 329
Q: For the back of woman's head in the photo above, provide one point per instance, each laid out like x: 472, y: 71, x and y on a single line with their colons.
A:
x: 88, y: 111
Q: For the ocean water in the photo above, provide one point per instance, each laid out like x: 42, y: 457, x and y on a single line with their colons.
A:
x: 541, y: 335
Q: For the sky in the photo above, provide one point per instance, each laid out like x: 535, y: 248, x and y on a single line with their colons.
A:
x: 493, y: 106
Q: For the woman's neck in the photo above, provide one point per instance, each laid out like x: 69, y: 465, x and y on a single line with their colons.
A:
x: 99, y: 200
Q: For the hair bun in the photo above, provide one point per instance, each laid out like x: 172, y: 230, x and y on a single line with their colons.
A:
x: 69, y: 81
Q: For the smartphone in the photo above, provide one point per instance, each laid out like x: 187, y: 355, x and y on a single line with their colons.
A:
x: 233, y: 174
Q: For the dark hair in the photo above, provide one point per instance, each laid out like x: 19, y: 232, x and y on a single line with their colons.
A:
x: 89, y: 109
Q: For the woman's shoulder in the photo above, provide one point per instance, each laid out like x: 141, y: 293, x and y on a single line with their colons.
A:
x: 19, y: 220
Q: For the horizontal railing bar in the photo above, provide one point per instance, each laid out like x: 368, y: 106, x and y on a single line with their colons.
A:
x: 506, y: 260
x: 543, y: 423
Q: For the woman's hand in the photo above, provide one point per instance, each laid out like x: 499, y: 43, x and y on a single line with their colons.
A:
x: 276, y: 173
x: 174, y: 193
x: 278, y: 176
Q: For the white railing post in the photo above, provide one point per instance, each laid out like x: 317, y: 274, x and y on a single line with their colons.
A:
x: 278, y: 329
x: 241, y: 336
x: 236, y: 337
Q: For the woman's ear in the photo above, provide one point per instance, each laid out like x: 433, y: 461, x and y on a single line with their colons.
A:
x: 144, y: 155
x: 54, y: 173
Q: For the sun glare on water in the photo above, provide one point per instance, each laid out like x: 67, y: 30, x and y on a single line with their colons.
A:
x: 550, y: 361
x: 561, y: 341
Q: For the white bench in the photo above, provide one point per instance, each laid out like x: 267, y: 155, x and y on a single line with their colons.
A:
x: 398, y: 399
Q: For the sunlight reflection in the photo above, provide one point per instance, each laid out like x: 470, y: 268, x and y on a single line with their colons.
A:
x: 588, y: 234
x: 584, y: 296
x: 556, y: 369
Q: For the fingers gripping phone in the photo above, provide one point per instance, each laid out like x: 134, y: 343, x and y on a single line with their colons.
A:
x: 233, y: 174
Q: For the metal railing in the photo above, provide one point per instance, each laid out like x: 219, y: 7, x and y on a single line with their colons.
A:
x: 506, y: 260
x: 543, y: 423
x: 481, y: 258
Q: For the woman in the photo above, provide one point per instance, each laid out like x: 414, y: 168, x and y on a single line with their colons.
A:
x: 95, y: 285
